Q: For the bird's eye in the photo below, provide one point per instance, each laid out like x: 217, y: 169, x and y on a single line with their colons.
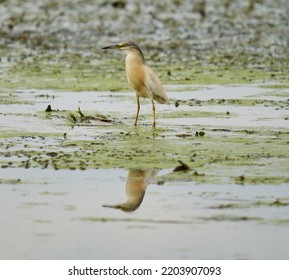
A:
x: 122, y: 44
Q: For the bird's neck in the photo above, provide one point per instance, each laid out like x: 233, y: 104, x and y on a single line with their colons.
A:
x: 133, y: 57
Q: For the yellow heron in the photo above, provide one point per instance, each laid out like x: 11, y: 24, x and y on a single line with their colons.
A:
x: 141, y: 77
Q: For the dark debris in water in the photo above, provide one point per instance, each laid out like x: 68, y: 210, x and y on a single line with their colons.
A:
x: 181, y: 167
x: 48, y: 109
x: 81, y: 119
x: 200, y: 133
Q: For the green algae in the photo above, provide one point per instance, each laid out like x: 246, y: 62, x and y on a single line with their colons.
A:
x: 214, y: 158
x: 7, y: 97
x: 276, y: 86
x: 18, y: 136
x: 254, y: 204
x: 10, y: 181
x: 74, y: 74
x: 237, y: 102
x: 131, y: 220
x: 193, y: 114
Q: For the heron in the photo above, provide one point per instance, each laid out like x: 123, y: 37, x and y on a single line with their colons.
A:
x: 141, y: 77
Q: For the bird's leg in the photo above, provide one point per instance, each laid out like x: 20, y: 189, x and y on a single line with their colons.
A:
x: 136, y: 116
x: 154, y: 113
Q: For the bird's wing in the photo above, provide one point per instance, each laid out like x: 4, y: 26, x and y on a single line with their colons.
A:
x: 154, y: 85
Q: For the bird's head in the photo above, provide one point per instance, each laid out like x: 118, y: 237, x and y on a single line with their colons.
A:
x: 128, y: 47
x: 123, y: 46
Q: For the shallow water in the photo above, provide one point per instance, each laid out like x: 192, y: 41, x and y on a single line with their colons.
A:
x: 121, y: 105
x: 60, y: 215
x: 231, y: 204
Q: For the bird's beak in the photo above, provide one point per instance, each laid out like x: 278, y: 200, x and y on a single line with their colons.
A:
x: 112, y: 47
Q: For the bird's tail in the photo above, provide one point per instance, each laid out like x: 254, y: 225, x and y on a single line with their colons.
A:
x: 161, y: 99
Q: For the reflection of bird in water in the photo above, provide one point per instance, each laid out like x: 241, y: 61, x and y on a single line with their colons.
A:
x: 136, y: 183
x: 141, y: 77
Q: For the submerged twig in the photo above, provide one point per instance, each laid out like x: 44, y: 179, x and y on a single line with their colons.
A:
x: 87, y: 118
x: 181, y: 167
